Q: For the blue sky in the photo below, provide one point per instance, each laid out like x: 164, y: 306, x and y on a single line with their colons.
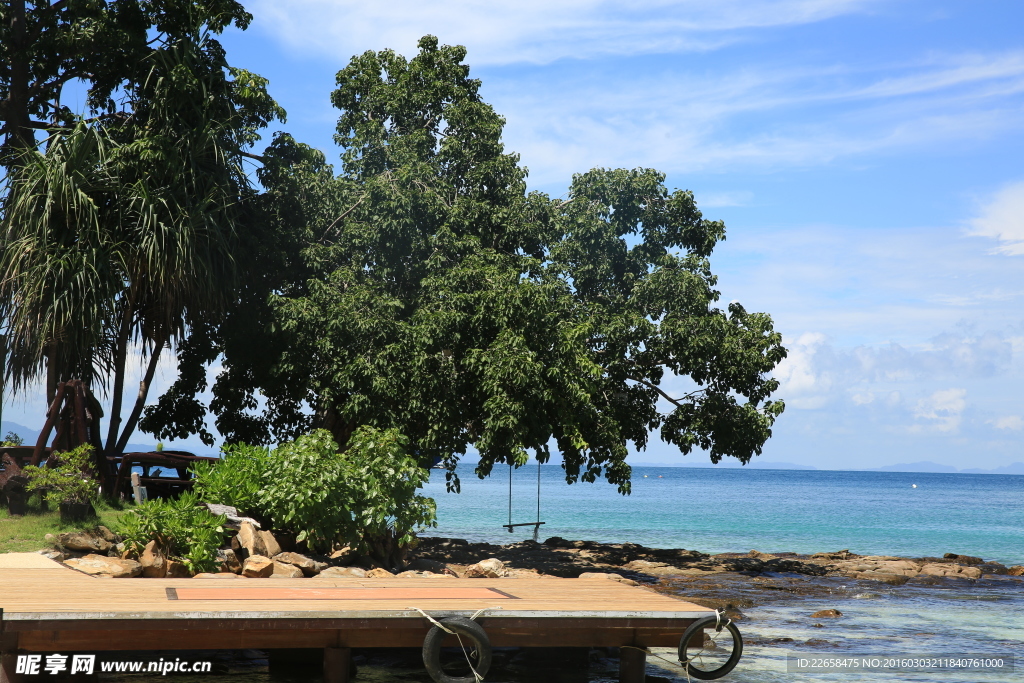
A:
x: 864, y: 154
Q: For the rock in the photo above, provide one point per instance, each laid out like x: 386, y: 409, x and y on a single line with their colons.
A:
x: 84, y: 541
x: 992, y: 568
x: 491, y: 568
x: 379, y: 573
x: 286, y: 571
x: 343, y: 556
x: 258, y: 567
x: 229, y: 561
x: 106, y: 534
x: 1015, y: 570
x: 55, y: 555
x: 308, y: 565
x: 826, y: 614
x: 177, y: 570
x: 247, y: 538
x: 234, y: 520
x: 101, y: 565
x: 759, y: 555
x: 432, y: 566
x: 611, y: 576
x: 969, y: 560
x: 267, y: 544
x: 891, y: 579
x: 951, y: 570
x: 218, y: 575
x: 154, y: 564
x: 342, y: 572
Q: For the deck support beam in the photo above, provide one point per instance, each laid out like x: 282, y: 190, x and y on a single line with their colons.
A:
x: 632, y: 665
x: 337, y: 664
x: 8, y: 662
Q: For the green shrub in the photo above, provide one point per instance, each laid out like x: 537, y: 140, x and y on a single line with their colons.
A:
x: 12, y: 439
x: 235, y: 480
x: 71, y: 481
x: 184, y: 529
x: 365, y: 496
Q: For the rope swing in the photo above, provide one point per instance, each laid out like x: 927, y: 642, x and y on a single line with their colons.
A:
x: 536, y: 525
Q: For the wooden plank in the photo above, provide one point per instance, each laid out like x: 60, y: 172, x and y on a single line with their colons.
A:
x: 331, y: 593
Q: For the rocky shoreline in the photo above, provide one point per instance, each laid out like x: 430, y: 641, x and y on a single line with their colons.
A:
x: 260, y: 554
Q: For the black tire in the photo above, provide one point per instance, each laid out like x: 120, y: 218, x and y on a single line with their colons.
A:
x: 698, y: 627
x: 468, y: 630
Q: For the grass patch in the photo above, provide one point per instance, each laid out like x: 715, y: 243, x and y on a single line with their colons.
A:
x: 28, y: 533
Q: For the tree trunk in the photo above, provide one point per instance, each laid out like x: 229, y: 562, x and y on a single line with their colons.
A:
x: 140, y: 401
x: 20, y: 136
x: 120, y: 360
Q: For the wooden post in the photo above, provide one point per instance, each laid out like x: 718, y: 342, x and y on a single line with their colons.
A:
x: 8, y: 660
x: 632, y: 665
x: 337, y: 663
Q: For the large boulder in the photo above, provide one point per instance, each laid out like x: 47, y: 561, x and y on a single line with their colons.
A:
x: 1015, y: 570
x: 85, y: 541
x: 308, y: 565
x: 342, y: 573
x: 379, y: 573
x: 154, y: 564
x: 258, y: 567
x: 101, y: 565
x: 491, y: 568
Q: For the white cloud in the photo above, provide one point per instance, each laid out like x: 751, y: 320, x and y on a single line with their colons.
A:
x: 503, y: 32
x: 1010, y: 422
x: 1002, y: 219
x: 943, y: 408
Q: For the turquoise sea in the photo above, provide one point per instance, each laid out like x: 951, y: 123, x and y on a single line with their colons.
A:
x: 736, y: 510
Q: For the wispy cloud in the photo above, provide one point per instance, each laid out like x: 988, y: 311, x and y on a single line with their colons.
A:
x: 1002, y: 218
x: 534, y: 31
x: 771, y: 116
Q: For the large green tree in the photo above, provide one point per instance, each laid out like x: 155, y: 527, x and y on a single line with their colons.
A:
x: 423, y: 288
x: 125, y: 227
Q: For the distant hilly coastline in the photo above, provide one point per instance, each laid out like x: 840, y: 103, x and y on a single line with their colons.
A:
x: 923, y: 466
x: 30, y: 436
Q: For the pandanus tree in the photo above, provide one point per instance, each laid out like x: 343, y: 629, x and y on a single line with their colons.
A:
x: 121, y: 233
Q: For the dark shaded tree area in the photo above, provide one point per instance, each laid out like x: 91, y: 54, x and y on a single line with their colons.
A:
x: 120, y: 226
x: 423, y: 288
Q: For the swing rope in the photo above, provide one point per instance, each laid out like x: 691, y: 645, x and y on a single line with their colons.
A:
x: 536, y: 525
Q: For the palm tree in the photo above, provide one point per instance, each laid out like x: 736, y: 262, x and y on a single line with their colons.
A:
x: 124, y: 230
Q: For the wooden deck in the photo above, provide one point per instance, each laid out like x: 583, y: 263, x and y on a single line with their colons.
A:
x: 47, y: 607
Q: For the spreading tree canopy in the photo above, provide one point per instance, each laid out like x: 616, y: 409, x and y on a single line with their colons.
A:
x: 425, y: 289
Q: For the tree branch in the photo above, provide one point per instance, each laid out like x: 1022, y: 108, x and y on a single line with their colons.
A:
x: 342, y: 216
x: 678, y: 402
x: 257, y: 157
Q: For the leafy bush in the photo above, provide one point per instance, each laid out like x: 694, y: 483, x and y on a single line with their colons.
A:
x: 73, y: 480
x: 184, y: 529
x: 235, y: 480
x: 365, y: 496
